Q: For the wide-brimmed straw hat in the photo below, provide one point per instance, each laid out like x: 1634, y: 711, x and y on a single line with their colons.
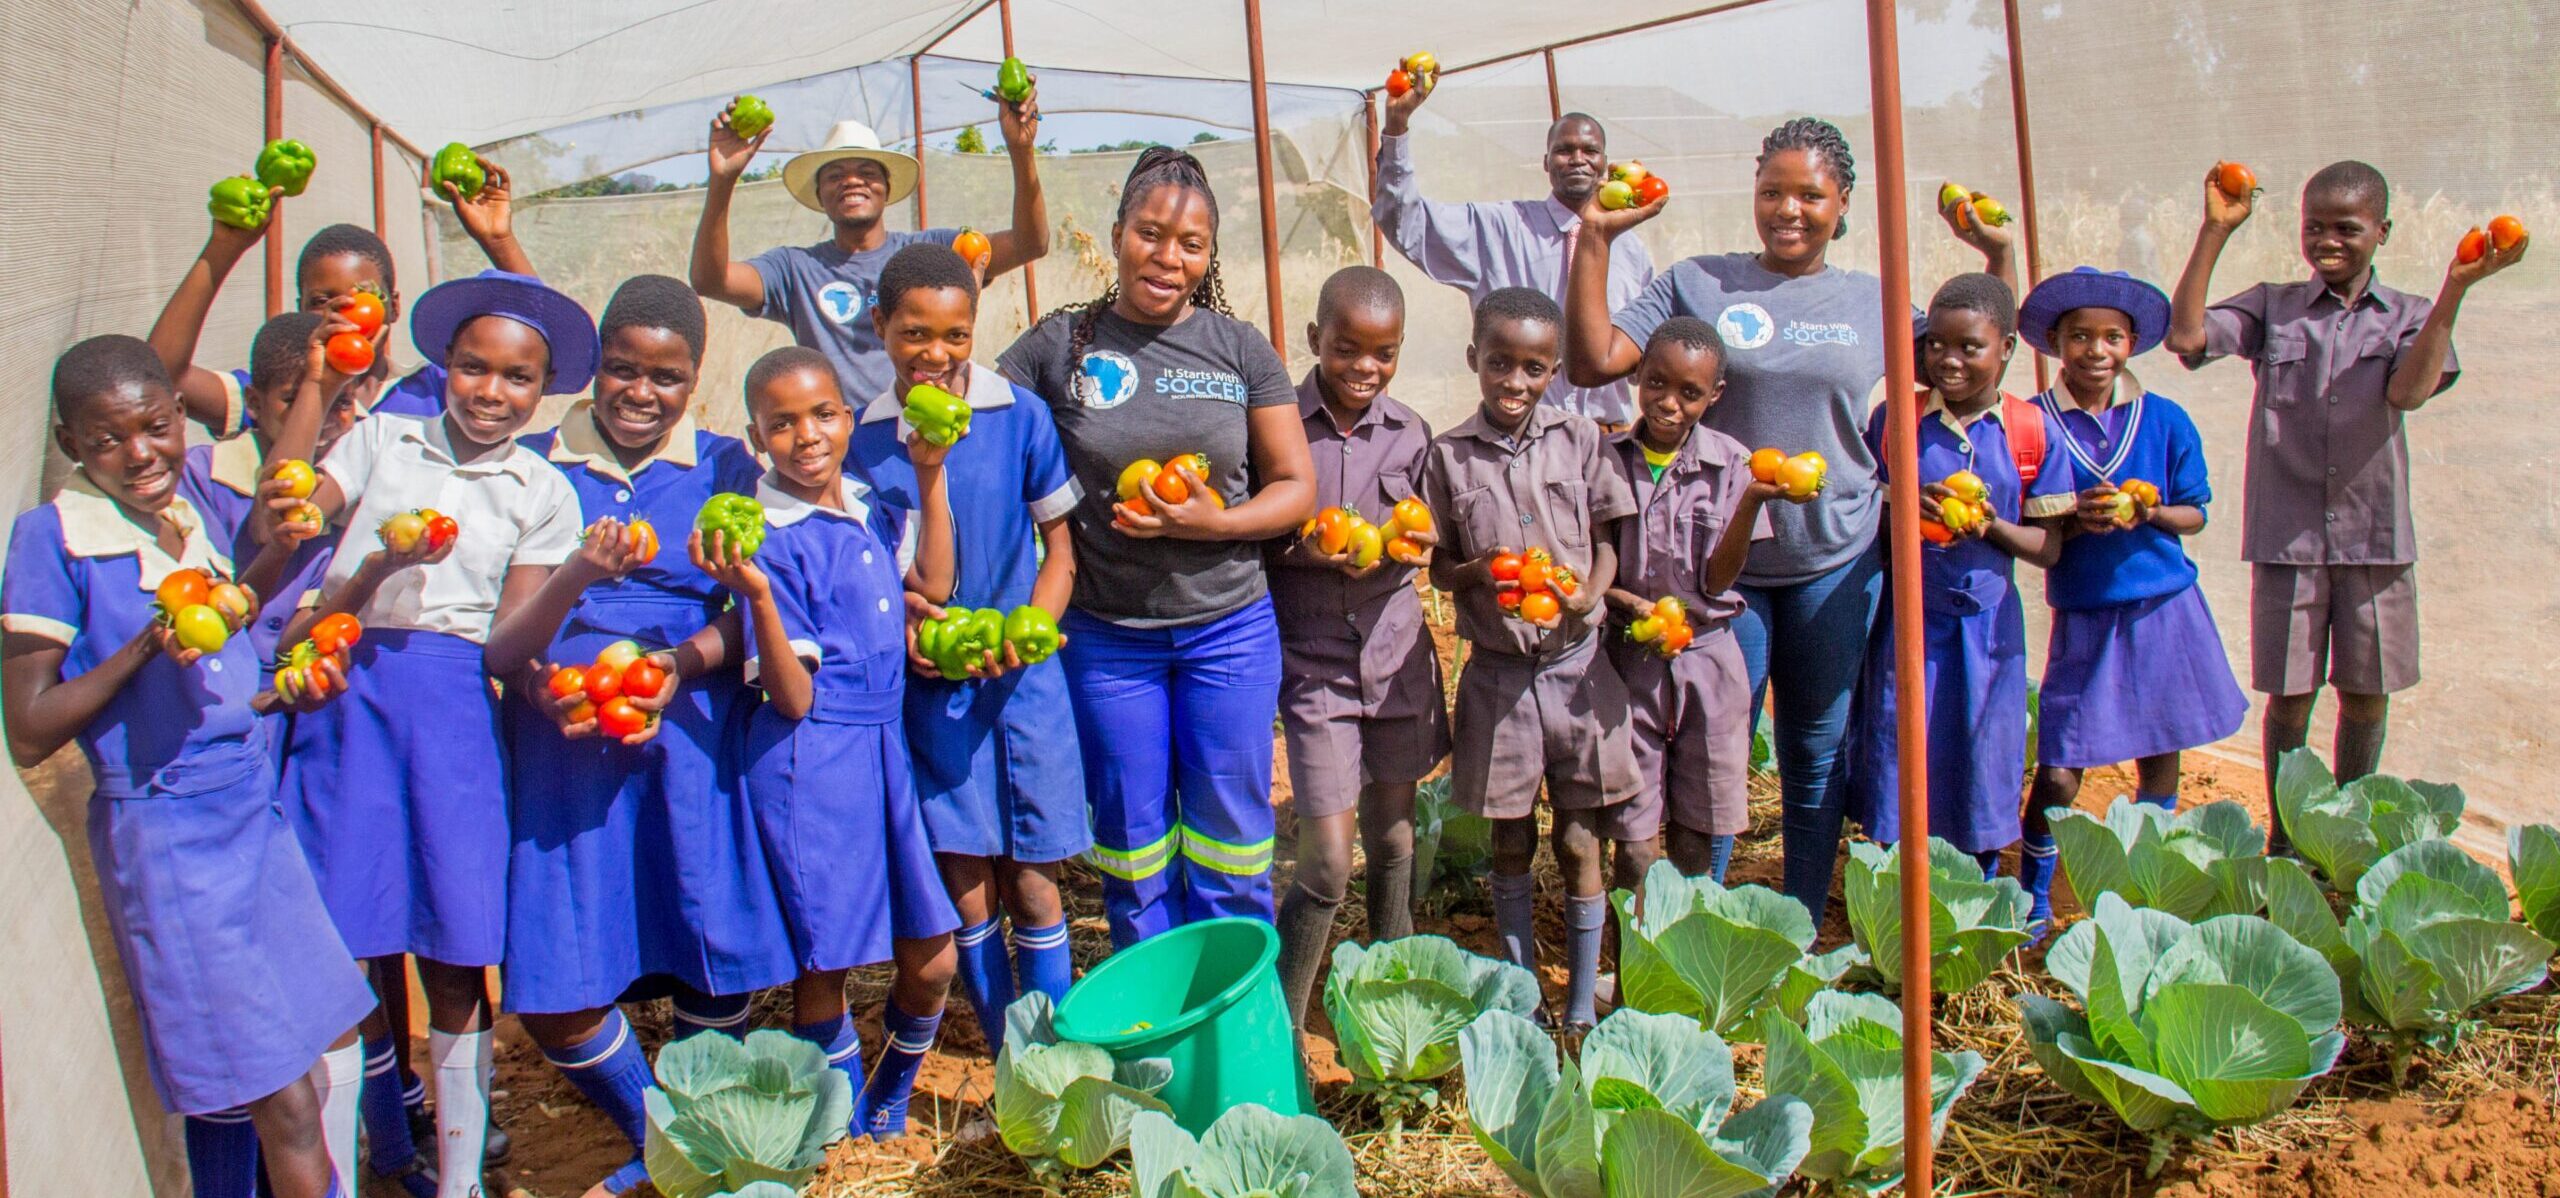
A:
x: 849, y: 139
x: 562, y: 322
x: 2090, y: 287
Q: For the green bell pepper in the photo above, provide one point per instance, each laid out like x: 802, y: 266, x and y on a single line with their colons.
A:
x: 1013, y: 80
x: 1032, y: 632
x: 739, y: 520
x: 286, y: 165
x: 942, y: 417
x: 962, y: 637
x: 240, y: 202
x: 456, y: 164
x: 749, y: 116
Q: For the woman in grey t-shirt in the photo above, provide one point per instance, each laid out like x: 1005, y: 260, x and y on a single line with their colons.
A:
x: 1172, y: 652
x: 1804, y: 350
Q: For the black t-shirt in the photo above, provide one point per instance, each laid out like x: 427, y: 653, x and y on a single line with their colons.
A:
x: 1148, y: 391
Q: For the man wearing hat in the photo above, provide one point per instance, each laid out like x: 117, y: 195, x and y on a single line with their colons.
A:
x: 824, y: 291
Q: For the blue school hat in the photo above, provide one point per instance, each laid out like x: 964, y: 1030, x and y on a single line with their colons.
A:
x: 528, y: 301
x: 2090, y: 287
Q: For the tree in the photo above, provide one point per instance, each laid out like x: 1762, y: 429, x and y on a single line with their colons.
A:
x: 971, y: 141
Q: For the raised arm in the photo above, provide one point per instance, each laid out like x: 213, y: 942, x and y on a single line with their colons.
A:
x: 1596, y: 351
x: 536, y: 599
x: 1028, y: 240
x: 2222, y: 216
x: 208, y: 396
x: 715, y: 276
x: 1436, y: 237
x: 2420, y: 371
x: 489, y: 218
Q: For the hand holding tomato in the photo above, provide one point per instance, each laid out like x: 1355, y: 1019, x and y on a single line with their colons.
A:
x: 562, y: 695
x: 290, y: 519
x: 1971, y: 229
x: 2223, y: 210
x: 1930, y: 511
x: 328, y: 677
x: 728, y: 565
x: 1610, y: 222
x: 1196, y: 517
x: 606, y: 550
x: 2103, y: 509
x: 2485, y: 254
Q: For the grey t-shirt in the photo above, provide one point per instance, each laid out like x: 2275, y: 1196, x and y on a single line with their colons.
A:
x: 1143, y: 391
x: 825, y: 295
x: 1803, y: 356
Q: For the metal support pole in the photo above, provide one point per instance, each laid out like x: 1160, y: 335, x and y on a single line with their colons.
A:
x: 276, y: 289
x: 1902, y: 458
x: 1263, y: 170
x: 1555, y: 95
x: 1369, y: 102
x: 2026, y: 165
x: 1030, y: 270
x: 915, y: 107
x: 381, y: 209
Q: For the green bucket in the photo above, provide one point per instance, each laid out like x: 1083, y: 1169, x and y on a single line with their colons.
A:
x: 1205, y: 996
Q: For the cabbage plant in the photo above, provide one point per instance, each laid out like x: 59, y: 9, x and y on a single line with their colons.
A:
x: 2345, y: 829
x: 2202, y: 862
x: 727, y: 1114
x: 1397, y: 1009
x: 1648, y: 1111
x: 2533, y: 858
x: 1447, y: 838
x: 1250, y: 1152
x: 2184, y: 1028
x: 1062, y: 1105
x: 1846, y: 1064
x: 1689, y: 946
x: 1973, y: 921
x: 2428, y: 942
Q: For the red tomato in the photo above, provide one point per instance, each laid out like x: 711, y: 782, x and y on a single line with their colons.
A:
x: 1398, y: 82
x: 1507, y: 600
x: 618, y: 718
x: 643, y: 679
x: 441, y: 530
x: 1506, y: 567
x: 2474, y: 247
x: 1651, y: 188
x: 350, y: 353
x: 567, y: 681
x: 336, y: 632
x: 2234, y: 180
x: 183, y: 589
x: 604, y: 685
x: 1935, y: 533
x: 364, y: 309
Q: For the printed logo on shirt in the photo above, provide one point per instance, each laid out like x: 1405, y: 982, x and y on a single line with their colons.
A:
x: 1106, y: 379
x: 1201, y: 384
x: 1833, y: 333
x: 1745, y: 326
x: 841, y: 301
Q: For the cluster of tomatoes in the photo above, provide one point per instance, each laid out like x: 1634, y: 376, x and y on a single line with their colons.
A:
x: 1666, y: 627
x: 604, y: 689
x: 1337, y: 531
x: 2133, y: 497
x: 1148, y: 474
x: 300, y: 676
x: 1799, y: 477
x: 1419, y: 69
x: 300, y: 480
x: 1985, y: 209
x: 405, y: 532
x: 1543, y: 586
x: 1966, y: 509
x: 352, y: 353
x: 199, y: 611
x: 2503, y: 233
x: 1631, y: 186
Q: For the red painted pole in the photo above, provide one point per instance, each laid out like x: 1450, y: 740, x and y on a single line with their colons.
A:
x: 1264, y: 171
x: 1030, y: 270
x: 276, y: 280
x: 915, y: 106
x: 1555, y: 95
x: 381, y: 209
x: 2026, y: 164
x: 1377, y: 241
x: 1902, y: 458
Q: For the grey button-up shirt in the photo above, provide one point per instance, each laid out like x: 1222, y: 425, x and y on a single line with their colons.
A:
x: 1664, y: 548
x: 1483, y: 248
x: 2328, y: 474
x: 1555, y: 486
x: 1365, y: 468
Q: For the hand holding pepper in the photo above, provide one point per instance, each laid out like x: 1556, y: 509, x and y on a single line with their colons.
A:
x: 1019, y: 120
x: 488, y: 214
x: 728, y: 564
x: 920, y: 611
x: 731, y: 150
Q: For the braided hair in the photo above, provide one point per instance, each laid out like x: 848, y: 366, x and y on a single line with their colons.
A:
x: 1157, y: 166
x: 1823, y: 140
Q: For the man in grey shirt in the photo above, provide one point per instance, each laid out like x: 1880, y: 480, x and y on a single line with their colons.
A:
x: 1483, y: 248
x: 824, y: 291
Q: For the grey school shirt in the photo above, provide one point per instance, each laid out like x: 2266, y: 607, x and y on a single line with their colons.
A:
x: 825, y: 295
x: 1802, y: 359
x: 1145, y: 391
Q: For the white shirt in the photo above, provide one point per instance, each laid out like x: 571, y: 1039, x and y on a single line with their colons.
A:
x: 514, y: 509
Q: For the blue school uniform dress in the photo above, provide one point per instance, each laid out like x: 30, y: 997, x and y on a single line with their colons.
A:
x: 992, y: 771
x: 634, y: 862
x: 834, y: 801
x: 398, y: 788
x: 2134, y: 667
x: 221, y: 480
x: 239, y: 980
x: 1977, y: 649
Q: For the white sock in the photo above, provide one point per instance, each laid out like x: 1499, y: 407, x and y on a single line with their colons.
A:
x: 462, y: 1062
x: 340, y: 1079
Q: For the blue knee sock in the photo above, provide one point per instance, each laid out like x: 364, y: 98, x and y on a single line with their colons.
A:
x: 609, y: 1068
x: 882, y: 1109
x: 222, y: 1154
x: 844, y: 1051
x: 698, y: 1013
x: 2037, y: 857
x: 388, y: 1147
x: 1989, y: 860
x: 1514, y: 910
x: 1584, y: 918
x: 986, y: 974
x: 1043, y: 959
x: 2167, y: 802
x: 1719, y: 855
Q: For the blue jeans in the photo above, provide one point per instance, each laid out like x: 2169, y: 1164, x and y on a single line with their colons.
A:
x: 1176, y: 726
x: 1814, y: 634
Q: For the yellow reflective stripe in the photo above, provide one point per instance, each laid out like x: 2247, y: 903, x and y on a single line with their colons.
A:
x: 1242, y: 859
x: 1130, y: 865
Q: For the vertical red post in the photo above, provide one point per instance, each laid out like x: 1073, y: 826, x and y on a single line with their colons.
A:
x: 1555, y: 95
x: 2026, y: 164
x: 1030, y: 270
x: 381, y: 208
x: 1902, y: 461
x: 1265, y: 173
x: 275, y: 223
x: 915, y: 105
x: 1369, y: 102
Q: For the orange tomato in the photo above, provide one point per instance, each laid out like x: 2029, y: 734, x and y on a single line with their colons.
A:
x: 1674, y: 639
x: 1333, y: 531
x: 350, y: 353
x: 1564, y: 580
x: 1538, y: 607
x: 1412, y: 515
x: 183, y: 588
x: 364, y: 310
x: 1536, y: 575
x: 642, y: 537
x: 2505, y: 232
x: 1403, y: 549
x: 1169, y: 487
x: 1765, y: 463
x: 2234, y: 180
x: 2473, y: 247
x: 1398, y: 83
x: 973, y: 248
x: 336, y: 632
x: 567, y: 681
x: 582, y: 713
x: 2143, y: 493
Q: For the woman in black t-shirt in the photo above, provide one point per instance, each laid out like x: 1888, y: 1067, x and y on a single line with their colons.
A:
x: 1172, y: 653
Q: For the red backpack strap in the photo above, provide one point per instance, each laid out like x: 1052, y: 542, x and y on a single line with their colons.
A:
x: 2024, y: 422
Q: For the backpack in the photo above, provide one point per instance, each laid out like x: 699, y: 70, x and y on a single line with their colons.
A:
x: 2024, y: 422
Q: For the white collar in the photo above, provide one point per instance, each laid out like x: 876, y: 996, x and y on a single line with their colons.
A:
x: 2127, y: 389
x: 236, y: 462
x: 513, y: 458
x: 782, y: 509
x: 94, y: 525
x: 580, y: 442
x: 985, y: 391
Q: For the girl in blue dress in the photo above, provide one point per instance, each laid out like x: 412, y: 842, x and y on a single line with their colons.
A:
x: 1002, y: 789
x: 240, y: 983
x: 2135, y: 669
x: 398, y: 788
x: 1976, y: 626
x: 634, y: 870
x: 826, y: 767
